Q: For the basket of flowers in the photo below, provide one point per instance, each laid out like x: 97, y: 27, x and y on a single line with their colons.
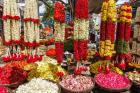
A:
x: 12, y: 76
x: 77, y: 84
x: 113, y: 82
x: 38, y: 85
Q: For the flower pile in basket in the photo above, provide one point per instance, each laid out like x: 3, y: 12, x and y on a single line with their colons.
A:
x: 77, y: 83
x: 112, y: 81
x: 38, y: 85
x: 11, y: 75
x: 47, y: 71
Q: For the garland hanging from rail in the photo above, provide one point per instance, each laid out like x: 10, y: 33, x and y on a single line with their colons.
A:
x: 81, y: 33
x: 107, y: 31
x: 11, y: 20
x: 31, y: 30
x: 123, y: 35
x: 59, y: 25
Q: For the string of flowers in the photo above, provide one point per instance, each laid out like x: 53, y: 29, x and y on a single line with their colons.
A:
x: 59, y: 25
x: 81, y: 25
x: 11, y: 19
x: 110, y: 30
x: 31, y: 30
x: 123, y: 34
x: 107, y: 31
x: 103, y: 28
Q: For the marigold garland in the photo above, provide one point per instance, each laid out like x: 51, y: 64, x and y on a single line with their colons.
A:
x: 123, y: 34
x: 108, y: 19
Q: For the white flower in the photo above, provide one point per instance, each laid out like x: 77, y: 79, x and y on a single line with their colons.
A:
x: 38, y: 85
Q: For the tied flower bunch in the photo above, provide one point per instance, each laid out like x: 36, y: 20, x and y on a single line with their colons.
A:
x: 11, y: 75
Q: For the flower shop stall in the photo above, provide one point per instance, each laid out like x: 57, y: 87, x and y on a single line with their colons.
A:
x: 55, y: 53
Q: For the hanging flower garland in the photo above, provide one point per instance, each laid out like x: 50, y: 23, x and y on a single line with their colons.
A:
x: 110, y: 30
x: 81, y: 25
x: 123, y: 34
x: 59, y: 25
x: 108, y: 22
x: 11, y: 19
x: 31, y: 30
x: 103, y: 28
x: 107, y: 32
